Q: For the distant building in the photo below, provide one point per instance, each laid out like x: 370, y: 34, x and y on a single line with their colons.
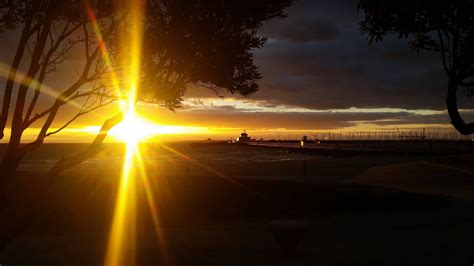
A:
x: 243, y: 138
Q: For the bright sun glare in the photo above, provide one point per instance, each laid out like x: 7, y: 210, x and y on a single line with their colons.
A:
x: 134, y: 129
x: 122, y: 238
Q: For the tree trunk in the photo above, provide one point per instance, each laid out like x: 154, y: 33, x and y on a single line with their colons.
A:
x: 8, y: 167
x: 11, y: 160
x: 453, y: 111
x: 11, y: 78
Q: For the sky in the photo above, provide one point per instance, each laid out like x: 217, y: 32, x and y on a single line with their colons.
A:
x: 319, y: 74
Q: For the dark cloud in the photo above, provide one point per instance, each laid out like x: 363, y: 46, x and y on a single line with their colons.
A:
x: 435, y: 119
x: 344, y: 71
x: 292, y: 121
x: 302, y: 30
x: 227, y: 118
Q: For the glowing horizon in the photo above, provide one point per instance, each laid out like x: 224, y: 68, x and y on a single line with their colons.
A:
x: 160, y: 132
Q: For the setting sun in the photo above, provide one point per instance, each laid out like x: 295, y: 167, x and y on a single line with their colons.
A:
x: 138, y: 129
x: 134, y: 129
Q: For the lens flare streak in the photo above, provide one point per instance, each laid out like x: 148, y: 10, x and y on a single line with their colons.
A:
x: 121, y: 245
x: 121, y: 249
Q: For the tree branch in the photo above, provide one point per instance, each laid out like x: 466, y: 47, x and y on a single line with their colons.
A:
x: 69, y: 161
x: 47, y: 61
x: 17, y: 121
x: 25, y: 35
x: 443, y: 53
x: 80, y: 113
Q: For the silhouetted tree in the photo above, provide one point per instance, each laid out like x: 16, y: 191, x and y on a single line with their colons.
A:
x: 443, y: 26
x: 186, y: 43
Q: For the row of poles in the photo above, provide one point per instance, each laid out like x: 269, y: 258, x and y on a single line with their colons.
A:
x: 385, y: 134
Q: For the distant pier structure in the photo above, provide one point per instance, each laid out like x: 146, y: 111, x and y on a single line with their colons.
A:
x: 243, y: 138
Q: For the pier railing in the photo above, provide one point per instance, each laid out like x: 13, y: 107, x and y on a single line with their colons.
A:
x: 413, y: 141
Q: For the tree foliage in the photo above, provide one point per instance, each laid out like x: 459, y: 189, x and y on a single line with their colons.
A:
x: 188, y: 43
x: 204, y: 43
x: 443, y: 26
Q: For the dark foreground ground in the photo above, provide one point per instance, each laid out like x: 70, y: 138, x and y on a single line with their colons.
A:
x: 363, y: 211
